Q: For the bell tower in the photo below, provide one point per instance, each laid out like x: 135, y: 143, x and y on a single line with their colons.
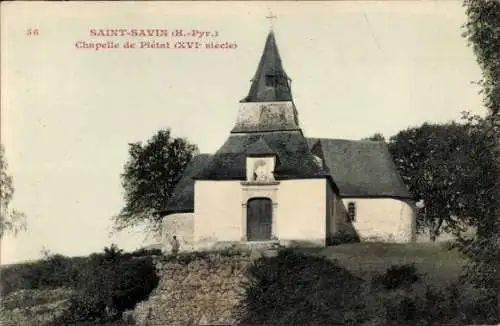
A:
x: 269, y: 104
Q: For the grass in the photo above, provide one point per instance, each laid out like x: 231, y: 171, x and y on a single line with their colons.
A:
x: 440, y: 264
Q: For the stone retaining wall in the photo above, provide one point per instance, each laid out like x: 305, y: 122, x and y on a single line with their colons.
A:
x: 196, y: 289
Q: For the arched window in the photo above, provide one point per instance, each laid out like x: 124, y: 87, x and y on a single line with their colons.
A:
x: 351, y: 211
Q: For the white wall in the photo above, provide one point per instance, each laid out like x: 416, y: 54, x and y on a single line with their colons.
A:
x: 217, y: 206
x: 299, y: 213
x: 384, y: 219
x: 180, y: 225
x: 304, y: 211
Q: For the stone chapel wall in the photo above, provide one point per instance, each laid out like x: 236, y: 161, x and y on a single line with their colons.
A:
x: 384, y: 219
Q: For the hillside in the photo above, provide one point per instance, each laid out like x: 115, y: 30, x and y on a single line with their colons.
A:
x: 366, y: 259
x: 195, y: 280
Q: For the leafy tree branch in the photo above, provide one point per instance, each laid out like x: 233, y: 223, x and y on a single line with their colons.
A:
x: 150, y: 175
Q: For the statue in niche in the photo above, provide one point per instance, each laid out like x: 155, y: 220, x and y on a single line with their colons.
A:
x: 262, y: 172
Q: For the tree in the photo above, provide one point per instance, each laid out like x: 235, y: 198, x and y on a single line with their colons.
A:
x: 443, y: 165
x: 482, y: 31
x: 11, y: 221
x: 150, y: 175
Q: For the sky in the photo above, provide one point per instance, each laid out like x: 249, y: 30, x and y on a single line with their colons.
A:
x: 68, y: 113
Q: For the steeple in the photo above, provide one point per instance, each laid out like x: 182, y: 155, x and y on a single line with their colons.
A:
x: 270, y: 83
x: 269, y: 106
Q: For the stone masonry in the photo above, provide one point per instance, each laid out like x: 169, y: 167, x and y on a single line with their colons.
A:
x: 196, y: 289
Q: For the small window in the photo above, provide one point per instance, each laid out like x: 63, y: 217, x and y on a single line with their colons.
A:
x: 271, y: 80
x: 351, y: 211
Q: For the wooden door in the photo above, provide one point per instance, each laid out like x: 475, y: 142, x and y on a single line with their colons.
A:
x: 259, y: 219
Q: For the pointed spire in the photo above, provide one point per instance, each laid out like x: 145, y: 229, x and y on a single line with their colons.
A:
x: 270, y: 83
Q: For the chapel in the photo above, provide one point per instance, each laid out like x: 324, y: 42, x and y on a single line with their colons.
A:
x: 269, y: 182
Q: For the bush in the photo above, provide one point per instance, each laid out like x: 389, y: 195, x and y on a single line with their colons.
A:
x: 402, y: 296
x: 52, y: 272
x: 397, y: 276
x: 144, y: 253
x: 112, y: 283
x: 57, y: 270
x: 104, y: 284
x: 294, y: 288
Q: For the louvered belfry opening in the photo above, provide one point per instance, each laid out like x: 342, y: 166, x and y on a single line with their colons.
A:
x: 259, y: 219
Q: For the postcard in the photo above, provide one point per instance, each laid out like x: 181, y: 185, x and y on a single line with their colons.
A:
x: 184, y: 127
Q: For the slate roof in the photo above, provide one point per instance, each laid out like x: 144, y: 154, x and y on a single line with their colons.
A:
x: 259, y: 147
x: 295, y: 160
x: 182, y: 199
x: 360, y: 168
x: 357, y: 168
x: 270, y: 68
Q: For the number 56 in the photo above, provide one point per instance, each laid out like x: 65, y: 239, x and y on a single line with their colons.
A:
x: 32, y: 32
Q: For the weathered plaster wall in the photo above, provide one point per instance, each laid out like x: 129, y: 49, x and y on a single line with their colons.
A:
x: 384, y: 219
x: 217, y: 214
x: 298, y: 211
x: 304, y: 211
x: 266, y: 116
x: 180, y: 225
x: 301, y: 211
x: 203, y: 291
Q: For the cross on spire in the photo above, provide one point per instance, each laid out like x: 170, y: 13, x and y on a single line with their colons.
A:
x: 271, y: 16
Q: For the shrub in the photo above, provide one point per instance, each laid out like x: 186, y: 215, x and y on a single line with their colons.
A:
x: 57, y: 270
x: 110, y: 284
x: 51, y: 272
x: 144, y: 253
x: 397, y: 276
x: 402, y: 296
x: 294, y: 288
